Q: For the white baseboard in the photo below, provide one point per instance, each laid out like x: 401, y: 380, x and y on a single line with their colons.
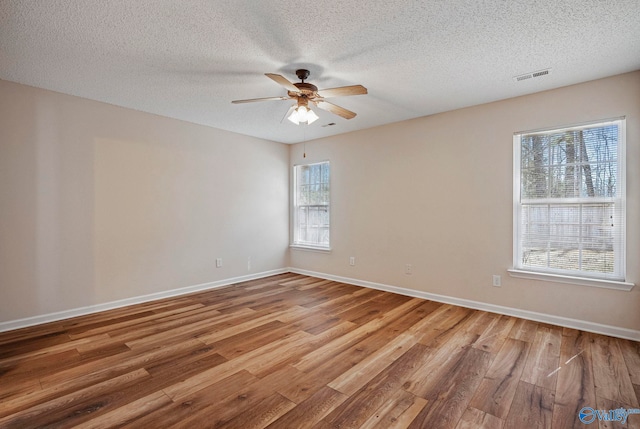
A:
x: 66, y: 314
x: 582, y: 325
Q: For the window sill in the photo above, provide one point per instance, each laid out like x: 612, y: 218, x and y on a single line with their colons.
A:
x: 607, y: 284
x: 310, y: 248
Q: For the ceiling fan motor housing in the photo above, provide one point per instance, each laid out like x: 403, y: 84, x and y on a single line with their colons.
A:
x: 304, y: 88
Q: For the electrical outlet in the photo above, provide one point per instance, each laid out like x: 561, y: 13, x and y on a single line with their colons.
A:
x: 249, y: 263
x: 497, y: 281
x: 352, y: 260
x: 218, y: 262
x: 408, y: 269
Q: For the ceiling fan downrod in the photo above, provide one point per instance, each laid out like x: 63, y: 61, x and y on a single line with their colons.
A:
x: 302, y: 74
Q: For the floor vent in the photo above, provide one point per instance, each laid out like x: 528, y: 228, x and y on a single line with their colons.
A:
x: 532, y: 75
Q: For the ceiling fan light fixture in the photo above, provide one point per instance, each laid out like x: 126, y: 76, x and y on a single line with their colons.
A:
x: 311, y: 117
x: 294, y: 117
x: 303, y: 114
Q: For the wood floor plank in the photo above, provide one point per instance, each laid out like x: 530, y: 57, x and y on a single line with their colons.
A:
x: 360, y: 406
x: 401, y: 403
x: 532, y: 408
x: 198, y: 404
x: 240, y: 402
x: 476, y: 419
x: 307, y: 383
x: 314, y: 284
x: 524, y: 330
x: 497, y: 389
x: 89, y: 321
x: 252, y: 339
x: 385, y: 349
x: 351, y: 380
x: 129, y: 322
x: 114, y: 365
x: 37, y: 366
x: 356, y: 335
x: 439, y: 367
x: 210, y: 376
x: 31, y: 333
x: 576, y: 387
x: 191, y: 362
x: 446, y: 325
x: 348, y: 301
x: 165, y: 323
x: 311, y: 410
x: 611, y: 374
x: 129, y: 412
x: 492, y: 339
x: 479, y: 322
x: 45, y: 413
x: 262, y: 414
x: 293, y: 351
x: 20, y: 388
x: 609, y: 420
x: 543, y: 360
x: 450, y: 396
x: 48, y: 350
x: 229, y: 330
x: 631, y: 353
x: 312, y: 298
x: 103, y: 350
x: 28, y: 340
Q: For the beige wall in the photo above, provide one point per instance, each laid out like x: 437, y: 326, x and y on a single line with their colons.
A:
x: 100, y: 203
x: 436, y: 192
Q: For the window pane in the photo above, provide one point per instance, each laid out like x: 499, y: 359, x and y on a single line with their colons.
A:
x: 570, y: 164
x: 304, y: 174
x: 582, y: 231
x: 534, y: 182
x: 600, y: 179
x: 312, y: 205
x: 325, y: 173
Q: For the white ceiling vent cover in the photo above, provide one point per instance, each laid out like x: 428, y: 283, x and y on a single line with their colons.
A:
x: 532, y: 75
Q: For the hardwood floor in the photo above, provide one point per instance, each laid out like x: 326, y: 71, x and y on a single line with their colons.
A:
x: 292, y: 351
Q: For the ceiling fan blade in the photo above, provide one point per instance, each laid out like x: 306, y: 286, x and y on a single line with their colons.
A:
x: 251, y: 100
x: 336, y: 110
x: 342, y: 91
x: 281, y: 80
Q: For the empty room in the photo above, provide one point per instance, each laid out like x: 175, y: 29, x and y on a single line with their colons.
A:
x: 270, y: 214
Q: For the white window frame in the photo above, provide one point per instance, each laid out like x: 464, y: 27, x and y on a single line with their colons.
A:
x: 296, y: 243
x: 566, y: 276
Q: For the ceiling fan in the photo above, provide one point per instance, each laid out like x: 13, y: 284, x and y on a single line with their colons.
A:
x: 305, y: 94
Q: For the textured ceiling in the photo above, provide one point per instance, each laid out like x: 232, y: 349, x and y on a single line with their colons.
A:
x: 188, y: 59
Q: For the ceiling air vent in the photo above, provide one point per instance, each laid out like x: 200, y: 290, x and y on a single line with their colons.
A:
x: 532, y: 75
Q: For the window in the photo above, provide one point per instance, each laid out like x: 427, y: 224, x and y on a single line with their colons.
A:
x: 569, y: 192
x: 311, y: 201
